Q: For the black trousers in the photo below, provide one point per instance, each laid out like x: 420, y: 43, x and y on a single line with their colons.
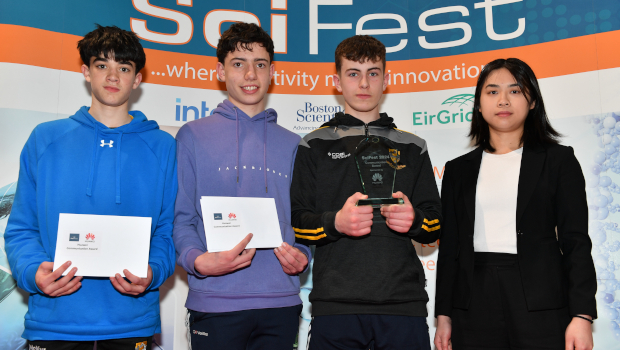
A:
x: 141, y: 343
x: 363, y: 332
x: 257, y: 329
x: 498, y: 318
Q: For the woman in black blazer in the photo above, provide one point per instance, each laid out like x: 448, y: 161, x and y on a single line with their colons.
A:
x: 515, y: 269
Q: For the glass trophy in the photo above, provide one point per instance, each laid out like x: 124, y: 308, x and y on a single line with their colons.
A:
x: 377, y: 162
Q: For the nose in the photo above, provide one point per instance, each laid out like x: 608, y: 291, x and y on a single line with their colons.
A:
x: 250, y: 74
x: 112, y: 75
x: 364, y: 82
x: 503, y: 100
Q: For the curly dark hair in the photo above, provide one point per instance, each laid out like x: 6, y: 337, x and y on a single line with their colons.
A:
x: 122, y: 45
x: 537, y: 129
x: 360, y: 48
x: 242, y: 35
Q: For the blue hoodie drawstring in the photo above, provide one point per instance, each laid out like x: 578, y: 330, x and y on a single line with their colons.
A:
x: 265, y: 153
x: 237, y: 127
x: 89, y: 187
x: 118, y: 169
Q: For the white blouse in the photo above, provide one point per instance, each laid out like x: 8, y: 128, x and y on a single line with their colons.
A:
x: 495, y: 228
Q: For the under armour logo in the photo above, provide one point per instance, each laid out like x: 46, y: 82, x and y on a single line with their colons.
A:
x: 107, y: 144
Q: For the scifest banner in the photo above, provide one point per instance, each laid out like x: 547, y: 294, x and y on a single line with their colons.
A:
x: 436, y: 50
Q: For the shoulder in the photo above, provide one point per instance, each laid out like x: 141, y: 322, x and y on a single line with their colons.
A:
x: 47, y: 133
x: 406, y: 138
x: 286, y: 136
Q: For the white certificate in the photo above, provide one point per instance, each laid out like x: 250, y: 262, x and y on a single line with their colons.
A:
x: 103, y: 245
x: 228, y: 220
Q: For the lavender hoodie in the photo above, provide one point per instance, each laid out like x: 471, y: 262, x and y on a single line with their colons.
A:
x: 231, y: 154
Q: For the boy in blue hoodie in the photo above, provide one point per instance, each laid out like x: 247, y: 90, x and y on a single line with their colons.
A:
x: 103, y: 160
x: 242, y: 298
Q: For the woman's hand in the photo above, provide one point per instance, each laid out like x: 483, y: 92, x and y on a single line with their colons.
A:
x: 443, y: 334
x: 579, y: 334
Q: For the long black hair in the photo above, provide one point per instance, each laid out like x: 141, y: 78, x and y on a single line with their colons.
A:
x: 537, y: 129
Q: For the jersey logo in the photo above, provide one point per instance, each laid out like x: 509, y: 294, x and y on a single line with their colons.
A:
x: 107, y: 144
x: 340, y: 155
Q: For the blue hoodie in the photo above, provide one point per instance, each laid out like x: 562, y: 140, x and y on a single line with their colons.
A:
x: 231, y: 154
x: 78, y: 165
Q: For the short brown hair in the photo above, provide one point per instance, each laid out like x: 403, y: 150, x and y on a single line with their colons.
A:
x: 360, y: 48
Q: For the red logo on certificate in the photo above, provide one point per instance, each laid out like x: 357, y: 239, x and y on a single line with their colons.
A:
x: 90, y: 237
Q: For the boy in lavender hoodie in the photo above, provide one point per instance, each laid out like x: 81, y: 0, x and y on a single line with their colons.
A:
x: 242, y: 298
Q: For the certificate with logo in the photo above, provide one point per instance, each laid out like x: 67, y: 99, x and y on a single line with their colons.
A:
x: 103, y: 245
x: 227, y: 220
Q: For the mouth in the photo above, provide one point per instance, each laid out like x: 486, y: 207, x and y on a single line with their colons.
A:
x: 112, y: 89
x: 503, y: 114
x: 250, y: 89
x: 363, y: 96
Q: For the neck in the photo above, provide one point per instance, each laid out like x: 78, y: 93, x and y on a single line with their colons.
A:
x: 110, y: 116
x: 505, y: 142
x: 365, y: 117
x: 250, y: 110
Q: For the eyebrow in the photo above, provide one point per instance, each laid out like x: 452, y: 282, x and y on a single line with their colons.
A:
x: 358, y: 70
x: 496, y: 86
x: 103, y: 59
x: 245, y: 60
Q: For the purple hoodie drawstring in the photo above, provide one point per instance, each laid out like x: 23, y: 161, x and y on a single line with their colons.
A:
x: 265, y: 153
x: 237, y: 127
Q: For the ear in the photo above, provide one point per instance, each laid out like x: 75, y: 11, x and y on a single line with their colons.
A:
x: 386, y: 80
x: 221, y: 74
x: 533, y: 104
x: 337, y: 82
x: 86, y: 72
x: 272, y: 69
x: 137, y: 80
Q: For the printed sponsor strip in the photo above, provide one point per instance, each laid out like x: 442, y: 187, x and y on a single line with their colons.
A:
x: 562, y: 57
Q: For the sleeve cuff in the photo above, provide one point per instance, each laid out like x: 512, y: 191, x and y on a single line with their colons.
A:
x: 29, y: 281
x: 329, y: 226
x: 190, y: 258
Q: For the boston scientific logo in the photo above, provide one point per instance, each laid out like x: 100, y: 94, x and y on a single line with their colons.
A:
x: 315, y: 114
x: 74, y: 237
x: 217, y: 216
x: 456, y: 109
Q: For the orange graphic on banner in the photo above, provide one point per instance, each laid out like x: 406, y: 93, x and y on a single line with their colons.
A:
x: 37, y: 47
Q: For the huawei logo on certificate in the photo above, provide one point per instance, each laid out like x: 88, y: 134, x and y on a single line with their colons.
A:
x: 90, y: 237
x: 232, y: 217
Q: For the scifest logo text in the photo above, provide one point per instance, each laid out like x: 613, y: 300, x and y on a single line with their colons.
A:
x: 456, y: 109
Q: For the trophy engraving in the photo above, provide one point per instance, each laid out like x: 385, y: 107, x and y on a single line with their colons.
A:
x: 377, y: 162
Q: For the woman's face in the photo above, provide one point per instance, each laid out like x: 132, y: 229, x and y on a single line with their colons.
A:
x: 502, y: 103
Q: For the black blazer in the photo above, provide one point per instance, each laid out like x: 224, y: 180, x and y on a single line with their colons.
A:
x: 555, y: 271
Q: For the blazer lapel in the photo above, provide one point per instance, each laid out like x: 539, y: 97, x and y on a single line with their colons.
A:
x: 470, y: 181
x: 532, y: 163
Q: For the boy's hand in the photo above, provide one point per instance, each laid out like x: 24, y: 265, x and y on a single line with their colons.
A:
x: 50, y: 283
x: 135, y: 286
x: 352, y: 220
x: 221, y: 263
x: 399, y: 217
x: 293, y: 261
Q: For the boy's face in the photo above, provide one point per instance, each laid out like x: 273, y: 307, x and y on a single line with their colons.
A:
x: 362, y: 85
x: 111, y: 81
x: 247, y: 75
